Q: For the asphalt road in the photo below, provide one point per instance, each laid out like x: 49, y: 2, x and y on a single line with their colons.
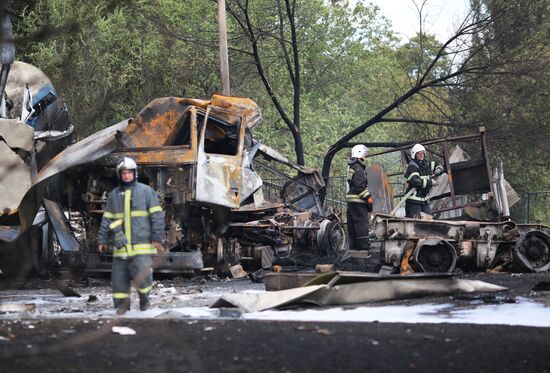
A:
x: 258, y: 346
x: 82, y: 344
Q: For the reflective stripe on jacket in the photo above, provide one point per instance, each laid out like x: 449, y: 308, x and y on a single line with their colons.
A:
x: 418, y: 175
x: 137, y: 209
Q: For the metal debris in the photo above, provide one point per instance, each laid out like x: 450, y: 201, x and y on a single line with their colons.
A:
x: 17, y: 307
x: 355, y: 288
x: 198, y: 155
x: 123, y: 330
x: 65, y: 289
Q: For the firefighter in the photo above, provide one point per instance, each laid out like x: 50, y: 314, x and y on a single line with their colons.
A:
x: 359, y: 200
x: 420, y: 175
x: 133, y: 225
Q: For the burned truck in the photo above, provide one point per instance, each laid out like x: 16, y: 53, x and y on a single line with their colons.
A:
x: 34, y: 127
x: 470, y: 228
x: 199, y: 156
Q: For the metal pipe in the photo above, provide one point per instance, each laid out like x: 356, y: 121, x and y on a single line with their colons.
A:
x: 409, y: 193
x: 502, y: 194
x: 427, y: 142
x: 301, y: 228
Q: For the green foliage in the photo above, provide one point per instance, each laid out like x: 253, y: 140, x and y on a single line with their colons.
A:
x: 346, y: 57
x: 512, y: 102
x: 108, y: 59
x: 417, y: 54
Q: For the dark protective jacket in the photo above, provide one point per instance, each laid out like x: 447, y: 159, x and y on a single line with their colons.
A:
x: 419, y: 176
x: 134, y: 210
x: 357, y: 182
x: 358, y: 207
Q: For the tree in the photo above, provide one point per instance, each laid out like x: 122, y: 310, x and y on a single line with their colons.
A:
x: 288, y: 40
x: 468, y: 67
x: 107, y: 60
x: 513, y: 101
x: 298, y: 47
x: 301, y: 61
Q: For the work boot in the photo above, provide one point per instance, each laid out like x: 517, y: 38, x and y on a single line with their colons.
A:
x: 143, y: 302
x: 122, y: 306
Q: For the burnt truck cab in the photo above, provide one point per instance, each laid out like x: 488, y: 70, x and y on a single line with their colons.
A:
x: 194, y: 153
x: 198, y: 155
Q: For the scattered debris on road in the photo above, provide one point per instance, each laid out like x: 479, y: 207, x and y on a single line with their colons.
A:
x: 123, y: 330
x: 355, y: 288
x: 65, y: 289
x: 17, y: 307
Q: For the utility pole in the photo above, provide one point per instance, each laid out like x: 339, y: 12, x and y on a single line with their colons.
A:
x: 224, y: 58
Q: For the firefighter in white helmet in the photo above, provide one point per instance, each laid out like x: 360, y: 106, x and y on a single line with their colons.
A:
x: 359, y: 200
x: 133, y: 226
x: 420, y: 175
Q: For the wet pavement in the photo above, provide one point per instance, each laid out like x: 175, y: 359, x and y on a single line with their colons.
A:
x: 184, y: 298
x: 506, y: 331
x: 234, y: 345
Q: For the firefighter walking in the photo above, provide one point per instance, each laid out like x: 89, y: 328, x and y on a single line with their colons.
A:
x: 359, y: 200
x: 420, y: 175
x: 133, y: 226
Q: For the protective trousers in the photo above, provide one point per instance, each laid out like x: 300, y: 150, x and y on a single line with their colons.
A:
x: 358, y: 226
x: 137, y: 269
x: 413, y: 209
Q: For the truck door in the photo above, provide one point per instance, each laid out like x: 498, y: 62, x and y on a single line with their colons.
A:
x: 219, y: 159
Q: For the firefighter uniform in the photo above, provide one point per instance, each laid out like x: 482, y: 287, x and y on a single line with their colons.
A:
x: 132, y: 220
x: 419, y: 175
x: 358, y: 206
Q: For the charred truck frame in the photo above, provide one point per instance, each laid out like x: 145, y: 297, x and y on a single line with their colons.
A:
x: 473, y: 229
x: 197, y: 154
x: 200, y: 154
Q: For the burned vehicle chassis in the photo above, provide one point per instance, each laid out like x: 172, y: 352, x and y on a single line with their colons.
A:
x: 415, y: 245
x: 473, y: 229
x: 198, y: 156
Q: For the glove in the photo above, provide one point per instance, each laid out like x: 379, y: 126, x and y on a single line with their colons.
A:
x: 370, y: 202
x: 120, y: 239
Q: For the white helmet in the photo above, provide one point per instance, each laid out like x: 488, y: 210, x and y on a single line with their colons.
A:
x: 126, y: 163
x: 416, y: 149
x: 359, y: 151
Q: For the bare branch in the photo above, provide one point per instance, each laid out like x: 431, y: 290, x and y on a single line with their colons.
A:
x: 282, y: 42
x: 421, y: 121
x: 246, y: 25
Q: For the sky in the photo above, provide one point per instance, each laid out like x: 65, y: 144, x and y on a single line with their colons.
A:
x: 441, y: 16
